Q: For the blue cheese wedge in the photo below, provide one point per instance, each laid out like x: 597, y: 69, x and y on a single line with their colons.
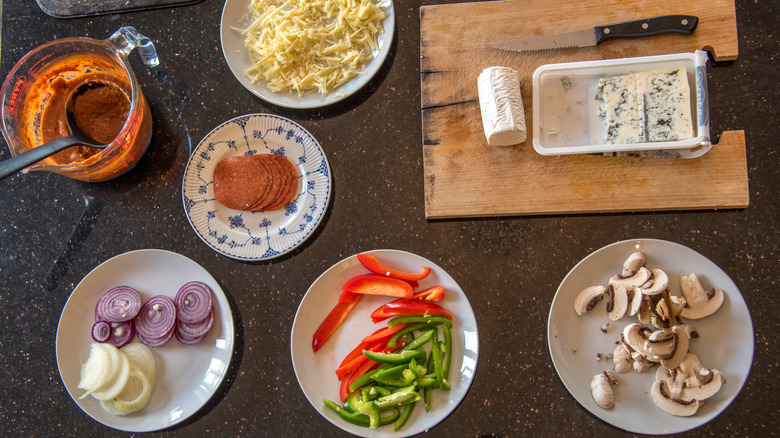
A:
x: 646, y: 106
x: 623, y: 108
x: 501, y: 105
x: 667, y: 105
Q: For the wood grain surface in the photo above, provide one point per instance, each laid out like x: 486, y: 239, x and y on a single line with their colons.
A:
x: 464, y: 177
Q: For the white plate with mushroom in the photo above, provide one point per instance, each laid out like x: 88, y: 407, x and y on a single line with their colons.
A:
x: 581, y: 345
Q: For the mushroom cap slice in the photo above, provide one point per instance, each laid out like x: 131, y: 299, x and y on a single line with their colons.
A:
x: 681, y: 348
x: 588, y: 299
x: 700, y: 303
x: 621, y: 357
x: 657, y: 283
x: 704, y: 391
x: 663, y: 399
x: 634, y: 301
x: 635, y: 336
x: 618, y: 301
x: 662, y: 344
x: 639, y: 278
x: 633, y: 263
x: 601, y: 390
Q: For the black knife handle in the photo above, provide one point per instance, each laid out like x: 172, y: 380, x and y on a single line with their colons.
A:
x: 684, y: 24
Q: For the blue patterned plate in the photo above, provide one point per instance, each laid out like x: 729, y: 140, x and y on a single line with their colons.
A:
x: 260, y: 235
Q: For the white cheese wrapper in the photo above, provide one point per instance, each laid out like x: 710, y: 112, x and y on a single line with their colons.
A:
x: 501, y: 104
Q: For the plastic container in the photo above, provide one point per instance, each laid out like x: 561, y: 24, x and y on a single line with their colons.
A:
x: 566, y: 112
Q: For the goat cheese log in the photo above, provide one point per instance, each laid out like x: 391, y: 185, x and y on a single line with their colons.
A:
x: 501, y: 105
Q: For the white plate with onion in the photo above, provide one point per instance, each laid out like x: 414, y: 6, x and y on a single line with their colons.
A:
x: 237, y: 16
x: 725, y: 339
x: 316, y: 371
x: 187, y: 375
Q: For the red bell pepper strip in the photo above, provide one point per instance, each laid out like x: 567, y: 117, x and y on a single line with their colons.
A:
x: 332, y: 322
x: 374, y: 265
x: 408, y: 307
x: 373, y: 284
x: 383, y: 334
x: 358, y: 351
x: 367, y: 366
x: 347, y: 369
x: 435, y: 293
x: 348, y: 297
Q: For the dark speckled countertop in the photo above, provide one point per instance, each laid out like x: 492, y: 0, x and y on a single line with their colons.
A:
x: 53, y: 231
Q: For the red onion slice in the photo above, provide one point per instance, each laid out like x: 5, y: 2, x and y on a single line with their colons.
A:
x: 121, y: 333
x: 193, y: 302
x: 121, y: 303
x: 185, y: 339
x: 156, y: 320
x: 198, y: 330
x: 101, y: 331
x: 157, y: 342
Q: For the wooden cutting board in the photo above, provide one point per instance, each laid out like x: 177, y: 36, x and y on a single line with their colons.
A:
x: 464, y: 177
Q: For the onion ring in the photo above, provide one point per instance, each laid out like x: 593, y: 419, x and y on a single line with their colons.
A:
x: 156, y: 320
x: 193, y: 302
x: 101, y: 331
x: 121, y: 333
x: 121, y: 303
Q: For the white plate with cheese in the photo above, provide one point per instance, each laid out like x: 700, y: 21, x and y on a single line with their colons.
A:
x: 236, y: 16
x: 569, y: 117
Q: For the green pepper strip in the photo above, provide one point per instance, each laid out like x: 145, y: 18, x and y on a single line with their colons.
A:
x: 405, y: 379
x: 404, y: 417
x: 365, y: 378
x: 427, y: 391
x: 374, y: 392
x: 445, y: 365
x: 408, y: 329
x: 444, y: 383
x: 404, y: 356
x: 400, y: 397
x: 420, y: 340
x: 359, y: 419
x: 435, y: 319
x: 437, y: 360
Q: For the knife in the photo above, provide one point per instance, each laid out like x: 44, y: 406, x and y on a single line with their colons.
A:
x: 683, y: 24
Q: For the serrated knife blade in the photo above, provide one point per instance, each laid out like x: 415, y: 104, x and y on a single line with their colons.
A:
x: 681, y: 24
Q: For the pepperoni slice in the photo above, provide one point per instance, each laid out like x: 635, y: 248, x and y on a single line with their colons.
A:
x: 255, y: 182
x: 238, y: 181
x: 290, y: 185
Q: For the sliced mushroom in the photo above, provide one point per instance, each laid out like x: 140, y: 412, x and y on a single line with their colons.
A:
x: 633, y: 263
x: 700, y: 303
x: 617, y: 303
x: 681, y: 348
x: 663, y: 399
x: 640, y: 363
x: 601, y: 389
x: 588, y: 299
x: 658, y: 282
x: 645, y: 309
x: 662, y: 344
x: 635, y: 336
x: 704, y: 391
x: 678, y: 303
x: 639, y: 278
x: 621, y: 357
x: 634, y: 301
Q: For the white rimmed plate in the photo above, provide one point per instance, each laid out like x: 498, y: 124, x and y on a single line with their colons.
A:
x: 236, y: 15
x: 316, y: 371
x: 187, y: 375
x: 258, y: 235
x: 725, y: 342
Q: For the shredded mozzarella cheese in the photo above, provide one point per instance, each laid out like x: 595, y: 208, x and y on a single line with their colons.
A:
x: 308, y: 46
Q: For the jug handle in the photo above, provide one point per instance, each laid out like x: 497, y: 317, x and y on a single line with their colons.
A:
x: 127, y: 38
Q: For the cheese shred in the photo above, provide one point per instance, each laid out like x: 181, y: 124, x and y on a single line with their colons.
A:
x: 307, y: 46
